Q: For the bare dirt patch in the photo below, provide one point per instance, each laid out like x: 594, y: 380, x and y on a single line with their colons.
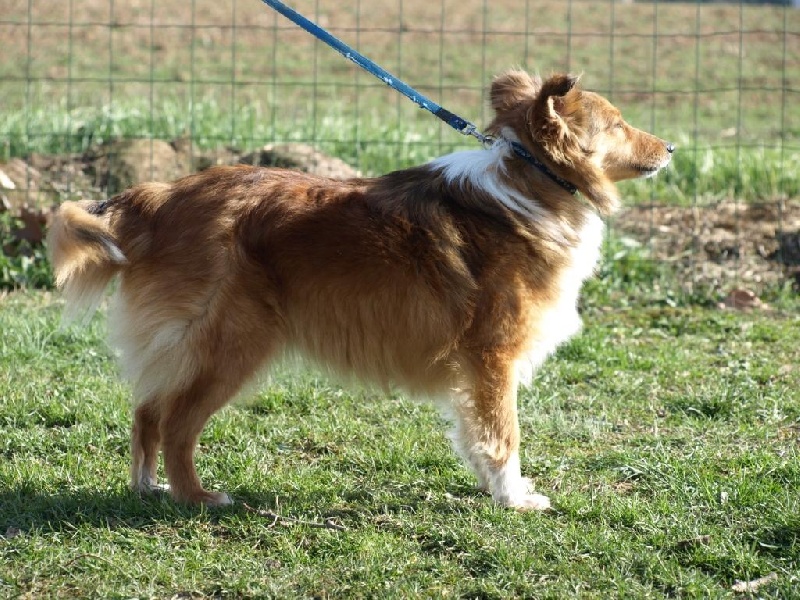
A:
x: 753, y: 245
x: 30, y: 189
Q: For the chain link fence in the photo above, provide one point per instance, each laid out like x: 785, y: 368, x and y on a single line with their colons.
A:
x: 99, y: 94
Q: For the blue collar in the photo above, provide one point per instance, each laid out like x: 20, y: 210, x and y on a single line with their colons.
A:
x: 529, y: 158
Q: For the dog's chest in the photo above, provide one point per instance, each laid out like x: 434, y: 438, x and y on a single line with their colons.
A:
x: 584, y: 256
x: 556, y: 323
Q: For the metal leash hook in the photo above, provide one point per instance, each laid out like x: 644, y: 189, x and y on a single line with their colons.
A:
x: 461, y: 125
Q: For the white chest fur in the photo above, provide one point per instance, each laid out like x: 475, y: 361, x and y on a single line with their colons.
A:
x: 560, y: 321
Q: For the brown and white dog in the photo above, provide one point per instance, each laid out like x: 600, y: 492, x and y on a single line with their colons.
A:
x: 446, y: 279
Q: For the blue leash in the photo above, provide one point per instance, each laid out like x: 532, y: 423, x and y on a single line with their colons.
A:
x: 459, y: 124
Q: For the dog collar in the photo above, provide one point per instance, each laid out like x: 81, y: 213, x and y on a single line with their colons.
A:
x: 523, y: 153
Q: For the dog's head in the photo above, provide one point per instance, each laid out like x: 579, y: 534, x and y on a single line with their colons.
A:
x: 580, y: 135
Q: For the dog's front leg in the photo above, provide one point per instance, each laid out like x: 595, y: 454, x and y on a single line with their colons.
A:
x: 486, y: 435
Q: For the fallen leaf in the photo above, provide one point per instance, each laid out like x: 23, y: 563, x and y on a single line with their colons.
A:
x: 745, y: 587
x: 700, y: 540
x: 742, y: 299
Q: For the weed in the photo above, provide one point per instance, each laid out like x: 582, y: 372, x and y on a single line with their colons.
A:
x: 22, y: 264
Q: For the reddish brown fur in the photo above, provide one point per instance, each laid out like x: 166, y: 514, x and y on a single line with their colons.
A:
x: 410, y: 279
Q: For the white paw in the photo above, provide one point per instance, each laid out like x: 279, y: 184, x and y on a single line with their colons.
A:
x: 217, y: 499
x: 523, y: 500
x: 532, y: 502
x: 146, y: 486
x: 522, y: 497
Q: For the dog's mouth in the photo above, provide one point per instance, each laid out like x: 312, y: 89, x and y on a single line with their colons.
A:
x: 647, y: 171
x: 650, y: 170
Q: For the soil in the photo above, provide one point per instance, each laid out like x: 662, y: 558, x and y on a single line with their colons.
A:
x: 721, y: 245
x: 32, y: 188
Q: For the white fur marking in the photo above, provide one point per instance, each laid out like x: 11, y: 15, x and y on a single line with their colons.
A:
x: 562, y: 321
x: 114, y: 253
x: 151, y: 358
x: 509, y: 488
x: 483, y: 169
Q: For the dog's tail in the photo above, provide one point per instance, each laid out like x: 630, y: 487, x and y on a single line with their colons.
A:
x: 84, y: 255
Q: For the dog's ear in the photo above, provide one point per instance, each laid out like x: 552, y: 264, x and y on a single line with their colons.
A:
x: 555, y: 118
x: 556, y: 122
x: 512, y: 88
x: 557, y: 106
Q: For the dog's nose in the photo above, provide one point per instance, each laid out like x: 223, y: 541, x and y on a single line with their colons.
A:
x: 670, y: 147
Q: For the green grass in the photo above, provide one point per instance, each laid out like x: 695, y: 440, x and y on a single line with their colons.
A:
x: 22, y: 264
x: 667, y: 438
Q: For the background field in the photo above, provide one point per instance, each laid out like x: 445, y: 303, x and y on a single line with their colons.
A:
x: 235, y: 73
x: 667, y: 434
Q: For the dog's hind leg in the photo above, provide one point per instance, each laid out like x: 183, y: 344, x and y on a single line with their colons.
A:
x: 145, y: 442
x: 185, y: 364
x: 182, y: 419
x: 183, y: 414
x: 487, y: 436
x: 225, y: 349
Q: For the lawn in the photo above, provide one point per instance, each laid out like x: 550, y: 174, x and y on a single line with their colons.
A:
x: 667, y: 438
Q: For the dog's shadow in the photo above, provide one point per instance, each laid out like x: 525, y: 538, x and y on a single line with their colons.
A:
x: 24, y: 510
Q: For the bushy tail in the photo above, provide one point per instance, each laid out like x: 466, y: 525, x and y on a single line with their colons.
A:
x: 84, y: 255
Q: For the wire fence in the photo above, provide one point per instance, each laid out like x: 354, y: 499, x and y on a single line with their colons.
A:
x: 99, y: 94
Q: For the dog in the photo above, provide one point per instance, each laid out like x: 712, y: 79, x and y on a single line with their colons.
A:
x: 451, y: 280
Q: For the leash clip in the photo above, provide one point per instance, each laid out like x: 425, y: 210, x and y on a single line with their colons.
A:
x: 487, y: 140
x: 472, y: 130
